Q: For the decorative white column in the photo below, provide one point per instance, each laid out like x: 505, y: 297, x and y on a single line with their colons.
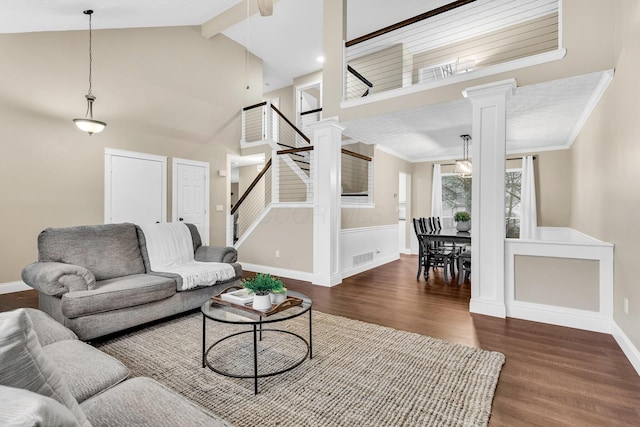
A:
x: 326, y: 172
x: 488, y: 227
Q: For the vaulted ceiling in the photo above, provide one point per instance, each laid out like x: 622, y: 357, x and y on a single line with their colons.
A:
x: 540, y: 117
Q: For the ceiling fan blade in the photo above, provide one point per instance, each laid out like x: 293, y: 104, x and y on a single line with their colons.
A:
x: 266, y: 7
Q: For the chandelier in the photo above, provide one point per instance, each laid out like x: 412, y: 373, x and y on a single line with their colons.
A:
x: 88, y: 123
x: 463, y: 167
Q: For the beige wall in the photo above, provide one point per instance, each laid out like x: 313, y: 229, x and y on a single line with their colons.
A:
x: 288, y: 230
x: 572, y: 283
x: 606, y: 172
x: 386, y: 169
x: 553, y: 188
x: 161, y: 90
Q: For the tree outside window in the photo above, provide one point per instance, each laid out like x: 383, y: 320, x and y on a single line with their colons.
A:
x: 456, y: 197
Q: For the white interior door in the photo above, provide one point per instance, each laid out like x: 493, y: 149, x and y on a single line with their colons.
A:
x: 191, y: 195
x: 135, y: 187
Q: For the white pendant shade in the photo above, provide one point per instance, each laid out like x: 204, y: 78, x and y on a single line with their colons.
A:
x: 90, y: 126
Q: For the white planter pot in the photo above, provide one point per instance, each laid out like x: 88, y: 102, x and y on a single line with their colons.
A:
x: 463, y: 225
x: 262, y: 302
x: 278, y: 298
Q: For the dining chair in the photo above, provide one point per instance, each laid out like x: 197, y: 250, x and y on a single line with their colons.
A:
x: 433, y: 256
x: 419, y: 229
x: 464, y: 266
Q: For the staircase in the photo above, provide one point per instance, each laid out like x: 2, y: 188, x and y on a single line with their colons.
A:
x: 287, y: 178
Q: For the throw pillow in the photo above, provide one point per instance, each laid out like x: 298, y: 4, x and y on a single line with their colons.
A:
x: 24, y: 365
x: 23, y: 408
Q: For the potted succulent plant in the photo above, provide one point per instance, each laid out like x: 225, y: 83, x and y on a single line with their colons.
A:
x: 463, y: 221
x: 262, y: 285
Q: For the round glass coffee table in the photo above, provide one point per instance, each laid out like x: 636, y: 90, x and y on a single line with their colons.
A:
x: 232, y: 314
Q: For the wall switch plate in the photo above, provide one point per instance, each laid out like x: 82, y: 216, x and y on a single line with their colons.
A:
x: 219, y: 208
x: 626, y: 305
x: 277, y: 253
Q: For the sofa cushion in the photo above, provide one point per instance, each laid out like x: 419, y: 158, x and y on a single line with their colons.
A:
x: 24, y: 365
x: 144, y: 402
x: 108, y: 250
x: 48, y: 330
x: 86, y: 370
x: 114, y: 294
x: 25, y: 408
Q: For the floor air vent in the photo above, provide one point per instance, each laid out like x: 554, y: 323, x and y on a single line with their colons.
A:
x: 362, y: 258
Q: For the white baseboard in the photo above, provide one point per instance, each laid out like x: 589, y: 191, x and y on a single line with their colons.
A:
x: 488, y: 308
x: 280, y: 272
x: 561, y: 316
x: 376, y: 262
x: 629, y: 350
x: 10, y: 287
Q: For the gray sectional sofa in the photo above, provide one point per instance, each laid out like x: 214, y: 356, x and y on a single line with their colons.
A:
x: 97, y: 280
x: 50, y: 378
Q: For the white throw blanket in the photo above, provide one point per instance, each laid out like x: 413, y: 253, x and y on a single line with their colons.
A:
x: 170, y: 250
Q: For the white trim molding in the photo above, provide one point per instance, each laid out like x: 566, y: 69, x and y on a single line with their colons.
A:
x: 602, y: 86
x: 277, y: 271
x: 10, y: 287
x: 629, y: 350
x: 516, y: 64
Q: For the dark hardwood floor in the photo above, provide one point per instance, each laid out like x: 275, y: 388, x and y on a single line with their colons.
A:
x: 553, y: 376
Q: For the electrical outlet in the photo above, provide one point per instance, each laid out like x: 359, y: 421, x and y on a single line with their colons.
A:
x: 277, y: 253
x: 626, y: 305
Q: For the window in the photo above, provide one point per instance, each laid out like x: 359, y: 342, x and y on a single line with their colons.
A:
x: 512, y: 185
x: 456, y: 197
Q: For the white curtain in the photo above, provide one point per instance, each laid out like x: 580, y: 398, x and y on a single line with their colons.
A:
x: 528, y: 216
x: 436, y: 192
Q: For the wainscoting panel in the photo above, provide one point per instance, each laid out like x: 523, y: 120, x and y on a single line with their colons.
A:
x: 364, y: 248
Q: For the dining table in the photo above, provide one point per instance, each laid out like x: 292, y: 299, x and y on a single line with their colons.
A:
x: 447, y: 235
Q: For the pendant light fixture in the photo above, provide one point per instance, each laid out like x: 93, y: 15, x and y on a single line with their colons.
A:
x: 463, y: 167
x: 88, y: 123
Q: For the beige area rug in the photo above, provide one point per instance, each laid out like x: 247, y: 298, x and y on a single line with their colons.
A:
x: 360, y: 375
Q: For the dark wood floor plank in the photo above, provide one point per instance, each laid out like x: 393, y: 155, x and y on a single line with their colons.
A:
x: 553, y: 376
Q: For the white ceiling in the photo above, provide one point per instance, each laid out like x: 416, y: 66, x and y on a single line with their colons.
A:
x: 22, y: 16
x: 540, y: 117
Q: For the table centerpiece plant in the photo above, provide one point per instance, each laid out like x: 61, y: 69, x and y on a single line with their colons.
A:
x: 263, y: 285
x: 463, y: 220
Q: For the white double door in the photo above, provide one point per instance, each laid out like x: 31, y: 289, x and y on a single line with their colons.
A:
x: 136, y: 189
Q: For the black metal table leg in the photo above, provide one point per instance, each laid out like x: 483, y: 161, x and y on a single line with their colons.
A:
x: 204, y: 335
x: 310, y: 338
x: 260, y: 331
x: 255, y: 358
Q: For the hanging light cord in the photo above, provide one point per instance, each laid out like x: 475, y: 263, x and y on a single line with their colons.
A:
x: 89, y: 12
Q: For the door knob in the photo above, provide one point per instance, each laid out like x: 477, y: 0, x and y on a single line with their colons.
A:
x: 180, y: 219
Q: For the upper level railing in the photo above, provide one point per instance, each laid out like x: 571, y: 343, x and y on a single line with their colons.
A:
x: 463, y: 36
